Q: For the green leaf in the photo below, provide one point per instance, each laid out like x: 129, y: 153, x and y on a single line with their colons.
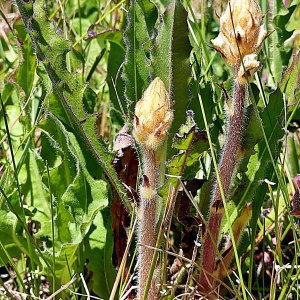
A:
x: 136, y: 73
x: 12, y: 238
x: 112, y: 35
x: 292, y: 159
x: 115, y: 82
x: 170, y: 59
x: 260, y: 164
x: 33, y: 188
x: 190, y: 143
x: 293, y: 23
x: 89, y: 100
x: 103, y: 271
x: 16, y: 131
x: 25, y: 74
x: 290, y: 82
x: 51, y: 50
x: 280, y: 54
x: 80, y: 198
x: 62, y: 161
x: 252, y: 136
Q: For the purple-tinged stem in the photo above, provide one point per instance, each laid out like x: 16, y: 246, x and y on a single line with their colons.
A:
x: 147, y: 223
x: 228, y: 162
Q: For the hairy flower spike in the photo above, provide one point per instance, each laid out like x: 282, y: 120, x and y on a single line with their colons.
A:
x: 153, y: 116
x: 247, y: 36
x: 239, y: 40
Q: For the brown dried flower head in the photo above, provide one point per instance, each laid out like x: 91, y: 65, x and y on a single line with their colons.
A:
x: 247, y: 35
x: 153, y: 116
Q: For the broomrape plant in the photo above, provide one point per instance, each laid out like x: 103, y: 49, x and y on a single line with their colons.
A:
x: 240, y: 38
x: 119, y: 120
x: 153, y: 117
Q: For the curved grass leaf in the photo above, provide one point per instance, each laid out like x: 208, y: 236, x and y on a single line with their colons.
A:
x: 112, y: 35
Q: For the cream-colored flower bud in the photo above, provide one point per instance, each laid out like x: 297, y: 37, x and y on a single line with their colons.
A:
x: 153, y: 116
x: 248, y: 32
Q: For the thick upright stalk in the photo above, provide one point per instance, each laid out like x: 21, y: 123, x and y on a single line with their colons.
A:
x: 228, y: 162
x: 146, y: 238
x: 147, y: 221
x: 232, y: 146
x: 153, y: 117
x: 240, y: 38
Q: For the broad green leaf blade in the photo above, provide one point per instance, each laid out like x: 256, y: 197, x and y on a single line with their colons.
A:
x: 191, y: 144
x: 35, y: 192
x: 11, y: 237
x: 102, y: 269
x: 290, y: 82
x: 279, y: 53
x: 80, y: 198
x: 51, y: 50
x: 141, y: 17
x: 170, y: 59
x: 116, y: 84
x: 25, y: 74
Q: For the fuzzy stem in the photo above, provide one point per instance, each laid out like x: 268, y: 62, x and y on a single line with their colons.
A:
x: 147, y: 216
x: 234, y: 134
x: 146, y: 238
x: 153, y: 118
x: 228, y: 162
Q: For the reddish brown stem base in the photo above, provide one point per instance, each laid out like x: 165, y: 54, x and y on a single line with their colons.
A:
x: 147, y: 221
x: 228, y: 162
x: 146, y: 238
